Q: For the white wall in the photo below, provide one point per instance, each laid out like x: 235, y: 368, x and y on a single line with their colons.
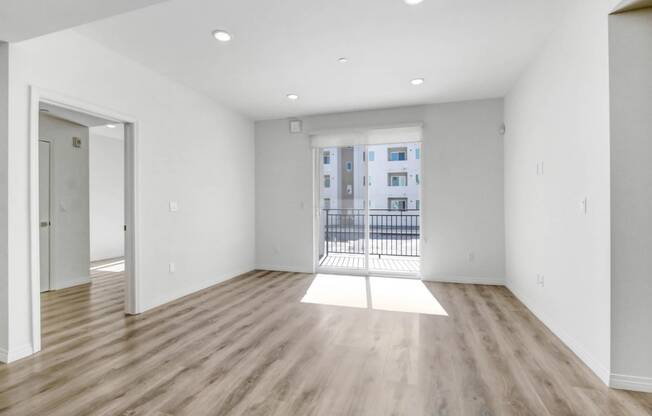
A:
x: 631, y: 187
x: 69, y: 252
x: 187, y: 144
x: 462, y: 190
x: 558, y: 114
x: 4, y: 161
x: 106, y: 196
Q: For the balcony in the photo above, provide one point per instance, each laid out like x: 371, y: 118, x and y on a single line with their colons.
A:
x: 393, y: 246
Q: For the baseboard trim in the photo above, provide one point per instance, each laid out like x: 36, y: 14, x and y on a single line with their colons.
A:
x: 492, y: 281
x: 289, y: 269
x: 594, y: 365
x: 15, y: 354
x: 634, y: 383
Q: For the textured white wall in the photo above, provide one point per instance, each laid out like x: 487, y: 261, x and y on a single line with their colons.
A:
x: 106, y: 196
x: 462, y: 188
x: 558, y: 115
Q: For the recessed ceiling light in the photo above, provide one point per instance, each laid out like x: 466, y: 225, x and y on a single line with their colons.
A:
x: 111, y: 126
x: 412, y: 2
x: 417, y: 81
x: 293, y: 97
x: 342, y: 60
x: 222, y: 35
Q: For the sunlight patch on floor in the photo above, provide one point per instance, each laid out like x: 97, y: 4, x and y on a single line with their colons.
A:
x: 114, y: 267
x: 337, y: 291
x: 378, y: 293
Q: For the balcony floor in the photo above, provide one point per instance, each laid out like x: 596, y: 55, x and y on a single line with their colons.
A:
x: 394, y: 264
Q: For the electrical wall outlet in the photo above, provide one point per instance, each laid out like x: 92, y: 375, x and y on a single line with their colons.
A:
x: 174, y: 206
x: 541, y: 280
x: 172, y: 267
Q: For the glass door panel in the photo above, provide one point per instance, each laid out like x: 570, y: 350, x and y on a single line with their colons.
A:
x: 394, y: 208
x: 343, y: 195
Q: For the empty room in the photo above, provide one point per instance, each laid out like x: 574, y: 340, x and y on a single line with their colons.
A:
x: 312, y: 207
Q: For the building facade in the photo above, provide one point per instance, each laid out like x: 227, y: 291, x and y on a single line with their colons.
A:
x: 394, y: 177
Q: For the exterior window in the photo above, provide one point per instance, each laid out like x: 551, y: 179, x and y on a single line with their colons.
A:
x: 395, y: 154
x: 417, y: 154
x: 397, y: 179
x: 372, y: 155
x: 417, y: 204
x: 327, y: 158
x: 327, y: 203
x: 349, y: 166
x: 397, y: 204
x: 417, y: 179
x: 327, y: 181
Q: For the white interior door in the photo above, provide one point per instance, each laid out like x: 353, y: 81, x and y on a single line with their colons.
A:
x: 44, y: 212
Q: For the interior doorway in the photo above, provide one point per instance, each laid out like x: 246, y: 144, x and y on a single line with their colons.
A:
x: 83, y: 202
x: 81, y: 196
x: 369, y: 218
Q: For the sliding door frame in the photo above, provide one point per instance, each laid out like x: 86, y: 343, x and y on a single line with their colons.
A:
x: 366, y: 271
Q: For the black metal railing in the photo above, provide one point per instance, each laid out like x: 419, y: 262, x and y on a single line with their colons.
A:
x: 391, y: 232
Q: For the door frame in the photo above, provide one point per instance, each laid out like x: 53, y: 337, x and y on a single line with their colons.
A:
x: 132, y: 202
x: 51, y: 240
x: 316, y: 161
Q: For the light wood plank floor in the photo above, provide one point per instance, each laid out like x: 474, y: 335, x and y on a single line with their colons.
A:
x: 250, y: 347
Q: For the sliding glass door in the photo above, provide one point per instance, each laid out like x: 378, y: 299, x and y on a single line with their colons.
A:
x: 343, y: 215
x: 370, y: 204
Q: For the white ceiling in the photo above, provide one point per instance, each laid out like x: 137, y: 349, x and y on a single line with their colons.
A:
x: 24, y: 19
x: 465, y: 49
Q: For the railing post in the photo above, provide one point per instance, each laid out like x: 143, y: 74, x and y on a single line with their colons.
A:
x: 326, y: 233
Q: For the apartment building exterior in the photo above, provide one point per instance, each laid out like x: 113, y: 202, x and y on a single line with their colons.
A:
x: 394, y: 177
